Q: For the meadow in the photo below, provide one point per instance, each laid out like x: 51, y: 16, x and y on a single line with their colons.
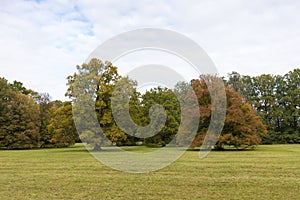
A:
x: 268, y: 172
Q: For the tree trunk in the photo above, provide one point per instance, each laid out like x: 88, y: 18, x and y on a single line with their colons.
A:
x: 97, y: 147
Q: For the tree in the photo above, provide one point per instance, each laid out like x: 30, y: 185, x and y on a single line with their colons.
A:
x: 276, y: 100
x: 236, y: 83
x: 292, y: 103
x: 19, y: 119
x: 18, y: 87
x: 46, y: 105
x: 95, y: 82
x: 169, y: 119
x: 127, y: 112
x: 61, y: 126
x: 242, y: 127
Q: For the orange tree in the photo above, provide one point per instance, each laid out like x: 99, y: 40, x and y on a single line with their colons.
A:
x: 242, y: 127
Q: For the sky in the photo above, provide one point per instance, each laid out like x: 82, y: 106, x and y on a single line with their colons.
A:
x: 41, y: 42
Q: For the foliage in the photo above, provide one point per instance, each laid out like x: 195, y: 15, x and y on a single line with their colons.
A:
x: 127, y: 112
x: 31, y: 120
x: 167, y: 99
x: 46, y: 106
x: 61, y: 126
x: 98, y: 79
x: 276, y: 99
x: 19, y: 119
x: 242, y: 127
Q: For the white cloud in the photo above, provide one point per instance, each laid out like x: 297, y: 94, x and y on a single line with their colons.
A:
x: 41, y: 42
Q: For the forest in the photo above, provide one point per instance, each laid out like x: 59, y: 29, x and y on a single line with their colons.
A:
x: 262, y: 109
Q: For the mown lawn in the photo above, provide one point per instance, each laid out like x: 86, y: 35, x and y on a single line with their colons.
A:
x: 269, y: 172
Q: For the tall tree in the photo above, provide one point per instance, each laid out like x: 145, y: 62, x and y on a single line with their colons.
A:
x: 292, y: 117
x: 98, y: 80
x: 126, y: 108
x: 46, y: 107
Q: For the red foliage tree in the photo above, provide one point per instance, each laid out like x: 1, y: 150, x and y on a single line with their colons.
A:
x: 242, y: 126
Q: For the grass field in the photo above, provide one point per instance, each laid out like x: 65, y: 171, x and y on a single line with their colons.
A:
x: 269, y: 172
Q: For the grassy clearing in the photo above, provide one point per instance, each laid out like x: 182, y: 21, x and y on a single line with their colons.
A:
x: 269, y: 172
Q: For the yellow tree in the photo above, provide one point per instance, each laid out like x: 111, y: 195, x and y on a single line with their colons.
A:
x: 91, y: 89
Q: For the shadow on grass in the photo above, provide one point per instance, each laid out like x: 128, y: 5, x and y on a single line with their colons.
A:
x: 222, y: 150
x: 67, y: 150
x: 142, y: 149
x: 106, y: 149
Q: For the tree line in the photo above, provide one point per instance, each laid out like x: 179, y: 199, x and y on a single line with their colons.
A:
x: 31, y: 120
x: 276, y: 100
x: 242, y: 128
x: 262, y: 109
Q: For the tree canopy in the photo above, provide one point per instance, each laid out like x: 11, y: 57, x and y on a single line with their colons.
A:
x: 98, y: 79
x: 19, y: 119
x: 276, y: 100
x: 31, y: 120
x: 263, y: 108
x: 242, y: 127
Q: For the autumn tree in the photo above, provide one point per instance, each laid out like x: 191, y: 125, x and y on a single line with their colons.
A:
x: 126, y: 108
x: 242, y: 127
x: 46, y: 106
x: 19, y: 119
x: 95, y: 82
x: 61, y: 127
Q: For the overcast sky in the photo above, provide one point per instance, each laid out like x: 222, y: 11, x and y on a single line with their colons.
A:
x: 41, y: 42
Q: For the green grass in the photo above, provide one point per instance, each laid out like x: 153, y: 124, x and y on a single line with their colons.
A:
x: 269, y: 172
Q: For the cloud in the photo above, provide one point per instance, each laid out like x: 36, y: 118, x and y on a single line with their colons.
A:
x: 252, y: 37
x: 41, y: 42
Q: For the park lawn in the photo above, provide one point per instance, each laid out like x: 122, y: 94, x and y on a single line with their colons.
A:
x: 269, y: 172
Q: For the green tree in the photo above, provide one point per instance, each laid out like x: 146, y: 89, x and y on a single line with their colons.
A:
x: 292, y: 103
x: 170, y: 118
x: 18, y: 87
